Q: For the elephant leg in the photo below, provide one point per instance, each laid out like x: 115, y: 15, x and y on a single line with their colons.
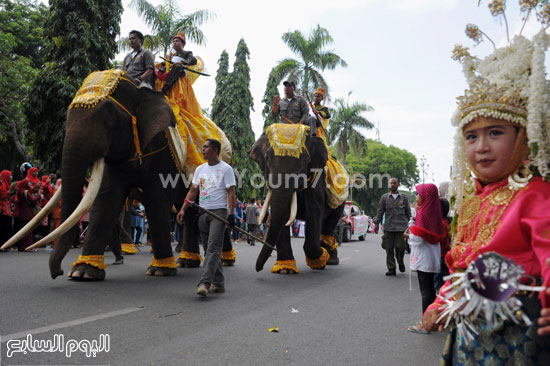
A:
x: 157, y: 202
x: 102, y: 227
x: 316, y: 256
x: 228, y: 253
x: 285, y: 264
x: 190, y: 254
x: 328, y: 240
x: 126, y: 238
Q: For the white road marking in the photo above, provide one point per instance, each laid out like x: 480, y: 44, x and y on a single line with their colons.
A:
x: 345, y: 259
x: 71, y: 323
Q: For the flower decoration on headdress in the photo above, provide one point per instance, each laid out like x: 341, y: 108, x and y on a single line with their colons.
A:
x: 473, y: 32
x: 459, y: 52
x: 527, y: 5
x: 543, y: 16
x: 497, y: 7
x: 509, y: 84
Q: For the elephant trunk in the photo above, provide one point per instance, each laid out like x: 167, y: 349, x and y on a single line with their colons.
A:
x: 280, y: 214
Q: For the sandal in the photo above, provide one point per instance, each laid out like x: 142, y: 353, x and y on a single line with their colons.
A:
x: 417, y: 329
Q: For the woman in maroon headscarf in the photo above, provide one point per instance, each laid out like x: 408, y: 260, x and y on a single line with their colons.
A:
x: 5, y: 207
x: 424, y: 239
x: 28, y: 196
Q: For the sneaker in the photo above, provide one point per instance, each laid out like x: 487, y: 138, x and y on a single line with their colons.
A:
x: 119, y: 261
x: 202, y: 290
x: 218, y: 289
x: 390, y: 273
x: 402, y: 268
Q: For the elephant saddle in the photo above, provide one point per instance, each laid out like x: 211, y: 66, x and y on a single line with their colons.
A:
x: 287, y: 139
x: 96, y: 87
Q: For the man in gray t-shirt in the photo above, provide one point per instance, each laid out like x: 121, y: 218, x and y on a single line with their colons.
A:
x: 252, y: 212
x: 397, y: 211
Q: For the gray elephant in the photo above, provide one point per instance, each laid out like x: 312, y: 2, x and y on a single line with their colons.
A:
x: 125, y: 135
x: 303, y: 197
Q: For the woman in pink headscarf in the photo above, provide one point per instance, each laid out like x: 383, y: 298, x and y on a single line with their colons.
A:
x: 5, y: 207
x: 424, y: 239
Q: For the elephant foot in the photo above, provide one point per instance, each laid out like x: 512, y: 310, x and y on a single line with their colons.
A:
x: 228, y: 258
x: 189, y: 260
x: 228, y: 262
x: 161, y: 271
x: 86, y: 272
x: 319, y: 263
x: 188, y: 263
x: 332, y: 252
x: 285, y: 271
x: 333, y: 259
x: 285, y: 267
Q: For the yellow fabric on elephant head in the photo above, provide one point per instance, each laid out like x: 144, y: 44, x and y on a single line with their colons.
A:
x: 193, y: 126
x: 96, y: 87
x: 287, y: 139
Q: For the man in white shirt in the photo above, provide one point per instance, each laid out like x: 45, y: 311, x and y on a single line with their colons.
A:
x: 214, y: 181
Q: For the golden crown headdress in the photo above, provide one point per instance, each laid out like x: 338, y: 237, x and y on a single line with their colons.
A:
x: 509, y: 84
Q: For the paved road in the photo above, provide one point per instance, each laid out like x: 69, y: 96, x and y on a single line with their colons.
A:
x: 349, y: 314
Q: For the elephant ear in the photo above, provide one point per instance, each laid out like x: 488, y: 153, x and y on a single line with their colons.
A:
x: 258, y: 152
x: 154, y: 114
x: 318, y: 152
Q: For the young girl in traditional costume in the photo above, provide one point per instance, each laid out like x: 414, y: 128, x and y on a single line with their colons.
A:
x: 500, y: 182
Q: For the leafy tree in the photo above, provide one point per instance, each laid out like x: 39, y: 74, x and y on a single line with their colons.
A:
x: 165, y: 21
x: 25, y: 20
x: 231, y: 111
x: 220, y: 103
x: 375, y: 169
x: 313, y: 58
x: 82, y: 39
x: 21, y: 40
x: 343, y: 127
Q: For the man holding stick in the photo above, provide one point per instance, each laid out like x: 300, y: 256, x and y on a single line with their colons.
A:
x: 214, y: 181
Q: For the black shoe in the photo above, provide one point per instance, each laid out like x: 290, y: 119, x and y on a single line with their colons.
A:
x: 119, y: 261
x: 402, y: 268
x: 390, y: 273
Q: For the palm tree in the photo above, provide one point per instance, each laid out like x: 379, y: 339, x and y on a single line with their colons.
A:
x: 165, y: 21
x: 313, y: 58
x: 343, y: 127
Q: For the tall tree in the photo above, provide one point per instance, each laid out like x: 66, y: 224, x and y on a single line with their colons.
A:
x: 165, y: 21
x: 343, y: 127
x: 231, y: 111
x: 21, y: 42
x: 81, y: 36
x: 220, y: 104
x: 313, y: 58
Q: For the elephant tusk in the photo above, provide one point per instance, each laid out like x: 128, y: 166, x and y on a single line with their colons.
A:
x: 293, y: 209
x: 35, y: 220
x: 83, y: 206
x: 264, y: 208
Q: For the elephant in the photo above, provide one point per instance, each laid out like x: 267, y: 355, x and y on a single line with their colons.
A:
x: 304, y: 199
x: 125, y: 137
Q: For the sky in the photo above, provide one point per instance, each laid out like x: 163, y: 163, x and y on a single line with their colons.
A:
x: 398, y: 54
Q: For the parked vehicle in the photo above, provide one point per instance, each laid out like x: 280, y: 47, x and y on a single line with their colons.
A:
x: 355, y: 221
